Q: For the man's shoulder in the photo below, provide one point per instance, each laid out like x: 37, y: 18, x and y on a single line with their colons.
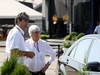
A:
x: 43, y: 41
x: 13, y: 31
x: 28, y: 40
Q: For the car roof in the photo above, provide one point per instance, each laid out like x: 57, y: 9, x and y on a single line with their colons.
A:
x: 92, y: 36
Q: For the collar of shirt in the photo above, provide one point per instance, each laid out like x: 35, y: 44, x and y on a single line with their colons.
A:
x: 36, y: 44
x: 34, y: 41
x: 20, y: 29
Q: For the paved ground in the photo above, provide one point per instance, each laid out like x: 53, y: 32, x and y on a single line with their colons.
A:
x: 2, y: 55
x: 53, y: 69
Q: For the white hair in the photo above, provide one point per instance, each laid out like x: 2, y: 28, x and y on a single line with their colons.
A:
x: 33, y: 28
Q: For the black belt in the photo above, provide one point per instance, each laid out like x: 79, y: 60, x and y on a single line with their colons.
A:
x: 37, y: 73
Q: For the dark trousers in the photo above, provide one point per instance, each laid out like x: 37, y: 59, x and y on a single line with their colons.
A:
x: 37, y: 73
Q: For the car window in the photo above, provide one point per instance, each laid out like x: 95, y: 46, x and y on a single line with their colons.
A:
x: 72, y: 53
x: 80, y: 49
x: 94, y: 54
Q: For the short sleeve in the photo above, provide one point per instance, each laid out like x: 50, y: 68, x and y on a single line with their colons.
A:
x: 17, y: 41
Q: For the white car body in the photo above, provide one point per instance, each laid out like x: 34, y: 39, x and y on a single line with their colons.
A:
x: 84, y: 50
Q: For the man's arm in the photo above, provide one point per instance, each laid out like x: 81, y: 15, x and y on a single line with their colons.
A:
x: 49, y: 51
x: 46, y: 67
x: 22, y: 53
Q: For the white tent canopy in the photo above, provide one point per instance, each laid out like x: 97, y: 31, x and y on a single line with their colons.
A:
x: 34, y: 2
x: 11, y: 8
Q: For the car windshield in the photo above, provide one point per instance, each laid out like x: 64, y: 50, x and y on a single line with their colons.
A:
x: 94, y: 54
x: 80, y: 50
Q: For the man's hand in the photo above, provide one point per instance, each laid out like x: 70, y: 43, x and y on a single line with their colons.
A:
x: 46, y: 67
x: 18, y: 52
x: 29, y: 54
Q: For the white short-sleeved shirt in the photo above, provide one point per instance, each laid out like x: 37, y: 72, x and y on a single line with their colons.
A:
x: 97, y: 29
x: 38, y: 61
x: 15, y: 39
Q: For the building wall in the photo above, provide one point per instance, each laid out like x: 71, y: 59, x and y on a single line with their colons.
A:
x: 81, y: 15
x: 45, y: 13
x: 61, y: 8
x: 37, y: 22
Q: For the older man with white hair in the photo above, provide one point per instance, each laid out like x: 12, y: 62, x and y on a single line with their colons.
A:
x: 41, y: 48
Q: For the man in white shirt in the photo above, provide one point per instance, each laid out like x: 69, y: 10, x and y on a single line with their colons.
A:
x: 97, y: 29
x: 15, y: 40
x: 41, y: 48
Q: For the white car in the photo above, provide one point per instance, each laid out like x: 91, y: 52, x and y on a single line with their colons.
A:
x: 85, y: 51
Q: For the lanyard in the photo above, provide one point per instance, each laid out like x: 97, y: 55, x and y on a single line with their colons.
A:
x: 36, y: 46
x: 20, y: 32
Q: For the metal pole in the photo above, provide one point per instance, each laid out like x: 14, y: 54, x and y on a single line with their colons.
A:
x: 71, y: 23
x: 70, y: 28
x: 92, y: 12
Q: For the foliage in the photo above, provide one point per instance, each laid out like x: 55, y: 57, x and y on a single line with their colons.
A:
x: 80, y: 35
x: 71, y: 36
x: 74, y: 36
x: 44, y: 36
x: 12, y: 67
x: 9, y: 65
x: 61, y: 73
x: 67, y: 44
x: 84, y: 69
x: 20, y: 70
